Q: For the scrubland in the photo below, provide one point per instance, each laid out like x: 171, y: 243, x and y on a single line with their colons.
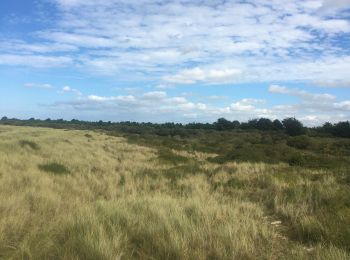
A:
x: 73, y: 194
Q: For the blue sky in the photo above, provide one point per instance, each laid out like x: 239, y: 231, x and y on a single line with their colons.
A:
x: 175, y: 60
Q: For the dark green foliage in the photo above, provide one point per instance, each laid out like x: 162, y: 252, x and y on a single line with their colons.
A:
x: 166, y: 155
x: 234, y: 183
x: 122, y: 180
x: 293, y: 126
x: 236, y: 124
x: 30, y: 144
x: 327, y: 127
x: 55, y: 168
x: 277, y: 125
x: 177, y: 172
x: 342, y: 129
x: 296, y: 160
x: 299, y: 142
x: 224, y: 124
x: 264, y: 124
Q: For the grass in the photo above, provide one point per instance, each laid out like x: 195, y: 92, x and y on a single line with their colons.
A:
x: 126, y: 201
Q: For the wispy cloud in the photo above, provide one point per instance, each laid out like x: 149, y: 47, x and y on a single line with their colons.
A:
x: 302, y: 94
x: 36, y: 61
x: 186, y: 42
x: 36, y: 85
x: 68, y: 89
x: 190, y: 76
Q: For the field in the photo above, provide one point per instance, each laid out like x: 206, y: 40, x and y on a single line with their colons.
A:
x: 81, y: 194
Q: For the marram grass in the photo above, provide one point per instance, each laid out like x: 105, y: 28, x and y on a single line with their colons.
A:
x: 86, y: 195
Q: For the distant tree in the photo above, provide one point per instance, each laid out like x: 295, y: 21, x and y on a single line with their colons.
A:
x: 4, y: 118
x: 236, y: 124
x: 223, y: 124
x: 277, y: 125
x: 327, y: 128
x: 342, y: 129
x: 244, y: 125
x: 31, y: 119
x: 253, y: 123
x: 293, y: 126
x: 264, y: 124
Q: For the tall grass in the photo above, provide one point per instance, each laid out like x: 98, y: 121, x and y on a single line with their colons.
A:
x: 124, y: 201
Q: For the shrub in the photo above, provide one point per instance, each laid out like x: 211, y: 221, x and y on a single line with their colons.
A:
x: 31, y: 144
x: 167, y: 155
x: 299, y: 142
x: 296, y: 160
x: 55, y: 168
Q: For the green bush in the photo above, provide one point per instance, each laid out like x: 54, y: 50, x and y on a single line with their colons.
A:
x: 296, y: 160
x: 299, y: 142
x: 55, y: 168
x: 30, y: 144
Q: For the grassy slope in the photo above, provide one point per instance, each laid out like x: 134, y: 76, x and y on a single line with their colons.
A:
x: 79, y: 194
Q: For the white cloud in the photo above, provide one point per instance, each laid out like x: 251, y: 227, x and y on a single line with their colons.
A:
x: 127, y: 98
x: 35, y: 85
x: 302, y: 94
x: 18, y: 46
x: 332, y: 6
x: 313, y: 109
x: 68, y: 89
x: 190, y: 76
x: 78, y: 40
x: 155, y: 95
x: 344, y: 105
x: 332, y: 83
x: 186, y: 42
x: 278, y: 89
x: 37, y: 61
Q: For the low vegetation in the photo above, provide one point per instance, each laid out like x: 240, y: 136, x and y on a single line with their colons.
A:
x: 55, y: 168
x: 204, y: 195
x: 30, y: 144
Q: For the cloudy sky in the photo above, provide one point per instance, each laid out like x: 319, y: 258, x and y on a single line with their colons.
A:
x: 175, y: 60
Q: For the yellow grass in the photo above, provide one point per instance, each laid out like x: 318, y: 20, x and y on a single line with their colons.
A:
x: 115, y: 203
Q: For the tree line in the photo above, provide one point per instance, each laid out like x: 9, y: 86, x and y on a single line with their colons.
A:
x: 290, y: 126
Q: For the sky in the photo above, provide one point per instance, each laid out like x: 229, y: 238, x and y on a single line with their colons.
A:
x: 175, y: 60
